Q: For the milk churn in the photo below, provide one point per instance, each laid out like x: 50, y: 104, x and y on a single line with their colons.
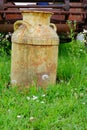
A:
x: 34, y: 50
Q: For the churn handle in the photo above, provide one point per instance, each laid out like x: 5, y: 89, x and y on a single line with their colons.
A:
x: 20, y: 22
x: 53, y: 26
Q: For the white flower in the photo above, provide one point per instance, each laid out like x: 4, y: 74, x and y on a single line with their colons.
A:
x: 19, y: 116
x: 31, y: 118
x: 28, y: 98
x: 45, y: 76
x: 83, y: 103
x: 35, y: 97
x: 7, y: 36
x: 84, y: 31
x: 9, y: 110
x: 9, y: 33
x: 43, y: 95
x: 42, y: 102
x: 81, y: 50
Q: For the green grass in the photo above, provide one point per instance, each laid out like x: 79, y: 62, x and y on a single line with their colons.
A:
x: 60, y: 107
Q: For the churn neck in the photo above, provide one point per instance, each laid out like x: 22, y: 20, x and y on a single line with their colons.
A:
x: 36, y: 17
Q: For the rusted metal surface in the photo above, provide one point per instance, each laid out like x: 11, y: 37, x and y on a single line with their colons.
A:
x: 78, y: 17
x: 34, y: 50
x: 2, y: 4
x: 43, y: 0
x: 62, y: 10
x: 6, y: 27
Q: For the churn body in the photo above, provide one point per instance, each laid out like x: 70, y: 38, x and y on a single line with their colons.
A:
x: 34, y: 50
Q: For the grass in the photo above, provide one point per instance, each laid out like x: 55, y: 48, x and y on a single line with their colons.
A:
x: 60, y: 107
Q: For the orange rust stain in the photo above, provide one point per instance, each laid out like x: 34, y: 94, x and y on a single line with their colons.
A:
x: 38, y: 62
x: 51, y: 67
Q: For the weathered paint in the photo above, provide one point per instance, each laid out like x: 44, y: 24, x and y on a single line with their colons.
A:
x: 34, y: 50
x: 78, y: 18
x: 68, y: 10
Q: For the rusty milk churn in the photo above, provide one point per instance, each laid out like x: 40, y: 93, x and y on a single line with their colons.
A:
x: 34, y: 50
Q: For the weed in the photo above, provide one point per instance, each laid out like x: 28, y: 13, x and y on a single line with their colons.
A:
x: 72, y: 27
x: 60, y: 107
x: 5, y: 43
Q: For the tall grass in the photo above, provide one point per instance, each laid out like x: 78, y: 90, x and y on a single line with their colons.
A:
x: 60, y: 107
